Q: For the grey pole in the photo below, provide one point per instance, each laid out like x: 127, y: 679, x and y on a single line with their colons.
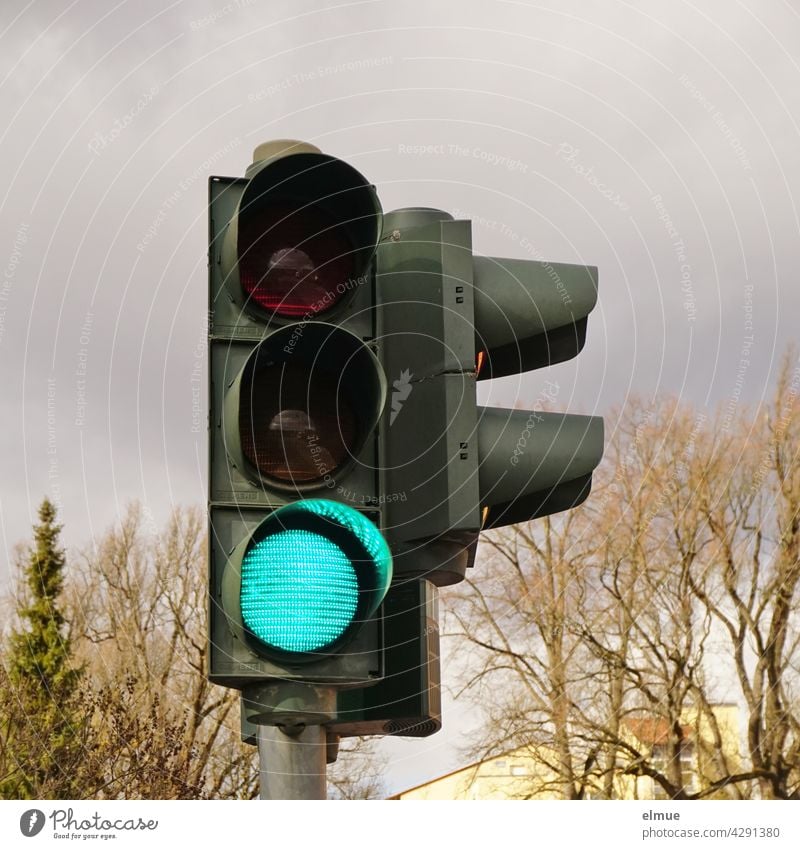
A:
x: 292, y: 761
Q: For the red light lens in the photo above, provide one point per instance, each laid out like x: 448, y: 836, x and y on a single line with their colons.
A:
x: 295, y: 260
x: 295, y: 425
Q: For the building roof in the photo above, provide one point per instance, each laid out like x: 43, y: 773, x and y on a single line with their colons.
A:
x: 654, y: 730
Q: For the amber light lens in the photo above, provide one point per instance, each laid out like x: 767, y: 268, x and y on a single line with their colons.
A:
x: 295, y: 259
x: 295, y: 423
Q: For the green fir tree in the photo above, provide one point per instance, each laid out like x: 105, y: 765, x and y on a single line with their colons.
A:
x: 41, y: 716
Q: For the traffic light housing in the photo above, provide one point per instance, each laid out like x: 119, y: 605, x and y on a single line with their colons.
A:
x: 447, y: 319
x: 298, y: 563
x: 407, y: 701
x: 347, y: 448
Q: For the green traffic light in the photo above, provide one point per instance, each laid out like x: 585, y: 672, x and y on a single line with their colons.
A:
x: 311, y: 571
x: 299, y: 591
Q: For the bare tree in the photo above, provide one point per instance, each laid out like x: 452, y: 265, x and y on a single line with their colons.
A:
x: 605, y: 639
x: 531, y: 670
x: 751, y: 582
x: 138, y: 621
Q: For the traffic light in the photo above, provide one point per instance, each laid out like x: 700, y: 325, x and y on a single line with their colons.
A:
x: 298, y: 563
x: 347, y: 448
x: 448, y: 319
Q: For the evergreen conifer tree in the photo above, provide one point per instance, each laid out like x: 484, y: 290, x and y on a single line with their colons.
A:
x: 42, y: 717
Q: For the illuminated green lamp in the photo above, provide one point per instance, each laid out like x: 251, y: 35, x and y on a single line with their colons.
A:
x: 311, y: 574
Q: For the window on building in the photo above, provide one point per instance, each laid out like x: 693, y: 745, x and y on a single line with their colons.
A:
x: 659, y: 757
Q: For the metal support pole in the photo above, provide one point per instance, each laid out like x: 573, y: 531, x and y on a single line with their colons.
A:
x: 292, y: 761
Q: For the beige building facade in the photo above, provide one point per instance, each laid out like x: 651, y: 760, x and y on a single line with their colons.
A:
x: 709, y: 750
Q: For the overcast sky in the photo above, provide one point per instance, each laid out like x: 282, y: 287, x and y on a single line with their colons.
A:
x: 657, y: 141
